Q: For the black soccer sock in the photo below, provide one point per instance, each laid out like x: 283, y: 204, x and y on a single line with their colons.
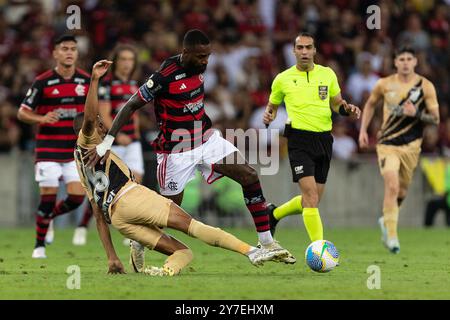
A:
x: 87, y: 215
x: 43, y: 218
x: 256, y: 204
x: 70, y: 203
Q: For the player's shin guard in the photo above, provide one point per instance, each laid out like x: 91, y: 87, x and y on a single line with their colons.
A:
x: 87, y: 215
x: 178, y: 260
x: 43, y: 218
x: 391, y: 221
x: 70, y: 203
x: 217, y: 237
x: 313, y: 223
x: 257, y: 205
x: 293, y: 206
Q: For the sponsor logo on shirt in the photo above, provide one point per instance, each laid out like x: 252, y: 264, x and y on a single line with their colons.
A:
x: 180, y: 76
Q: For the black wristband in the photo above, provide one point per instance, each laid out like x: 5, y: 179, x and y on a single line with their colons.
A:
x: 342, y: 111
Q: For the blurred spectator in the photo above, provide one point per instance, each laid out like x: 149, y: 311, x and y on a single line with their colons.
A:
x: 344, y: 147
x: 444, y: 133
x: 430, y: 144
x: 362, y: 81
x: 414, y: 35
x: 9, y: 131
x: 252, y: 42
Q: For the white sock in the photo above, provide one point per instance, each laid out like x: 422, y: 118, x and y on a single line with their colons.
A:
x: 265, y: 237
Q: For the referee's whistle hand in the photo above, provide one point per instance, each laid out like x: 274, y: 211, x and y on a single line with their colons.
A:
x: 268, y: 117
x: 354, y: 111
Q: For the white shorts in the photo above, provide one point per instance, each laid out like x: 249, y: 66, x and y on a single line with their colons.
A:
x: 131, y: 155
x: 175, y: 170
x: 48, y: 174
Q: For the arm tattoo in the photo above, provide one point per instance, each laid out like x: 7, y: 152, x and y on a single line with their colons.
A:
x: 125, y: 114
x: 397, y: 111
x: 428, y: 118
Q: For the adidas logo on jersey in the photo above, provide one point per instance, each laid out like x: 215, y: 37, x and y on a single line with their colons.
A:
x: 55, y: 91
x: 183, y: 86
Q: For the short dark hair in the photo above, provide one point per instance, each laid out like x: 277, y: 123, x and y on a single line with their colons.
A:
x: 404, y: 49
x: 305, y: 34
x: 195, y: 37
x: 78, y: 122
x: 65, y: 37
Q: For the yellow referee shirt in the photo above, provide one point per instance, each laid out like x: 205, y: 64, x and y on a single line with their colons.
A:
x: 306, y: 95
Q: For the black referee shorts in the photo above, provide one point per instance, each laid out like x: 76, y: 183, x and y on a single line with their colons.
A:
x: 310, y: 154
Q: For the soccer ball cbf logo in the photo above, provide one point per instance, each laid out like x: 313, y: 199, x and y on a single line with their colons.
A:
x: 323, y: 92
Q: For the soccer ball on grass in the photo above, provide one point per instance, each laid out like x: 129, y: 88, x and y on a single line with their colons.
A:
x: 322, y: 256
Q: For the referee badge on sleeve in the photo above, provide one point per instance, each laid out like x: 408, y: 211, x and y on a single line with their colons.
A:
x: 323, y: 92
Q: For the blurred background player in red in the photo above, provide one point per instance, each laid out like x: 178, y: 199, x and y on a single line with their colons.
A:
x: 52, y: 102
x: 115, y: 90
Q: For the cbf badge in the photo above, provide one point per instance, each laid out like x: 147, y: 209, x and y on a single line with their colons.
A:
x: 323, y: 92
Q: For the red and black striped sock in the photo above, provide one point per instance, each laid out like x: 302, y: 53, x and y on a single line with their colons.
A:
x: 70, y: 203
x: 256, y: 204
x: 43, y: 218
x: 87, y: 215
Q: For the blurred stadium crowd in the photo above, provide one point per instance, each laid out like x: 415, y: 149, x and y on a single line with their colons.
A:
x: 252, y: 42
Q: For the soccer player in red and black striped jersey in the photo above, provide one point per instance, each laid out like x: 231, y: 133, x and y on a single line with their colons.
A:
x: 52, y: 102
x: 186, y: 143
x: 114, y: 92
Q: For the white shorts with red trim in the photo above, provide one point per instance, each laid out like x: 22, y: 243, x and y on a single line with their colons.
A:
x: 48, y: 174
x: 175, y: 170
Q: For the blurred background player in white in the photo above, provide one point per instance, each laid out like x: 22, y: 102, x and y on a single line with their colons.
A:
x: 410, y: 102
x: 115, y: 90
x: 52, y: 103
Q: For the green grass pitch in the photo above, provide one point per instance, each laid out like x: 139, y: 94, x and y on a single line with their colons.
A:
x: 420, y: 271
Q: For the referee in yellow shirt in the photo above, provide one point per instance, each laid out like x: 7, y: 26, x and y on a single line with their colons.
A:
x: 308, y: 91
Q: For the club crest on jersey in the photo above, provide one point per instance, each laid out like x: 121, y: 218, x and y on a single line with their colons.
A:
x: 172, y: 185
x: 323, y: 92
x: 80, y: 90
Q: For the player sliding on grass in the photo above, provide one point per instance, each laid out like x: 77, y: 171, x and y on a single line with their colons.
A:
x: 136, y: 211
x: 186, y: 142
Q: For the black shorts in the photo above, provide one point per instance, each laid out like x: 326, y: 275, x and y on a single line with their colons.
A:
x: 310, y: 154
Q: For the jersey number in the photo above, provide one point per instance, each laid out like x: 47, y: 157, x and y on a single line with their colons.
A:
x: 100, y: 182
